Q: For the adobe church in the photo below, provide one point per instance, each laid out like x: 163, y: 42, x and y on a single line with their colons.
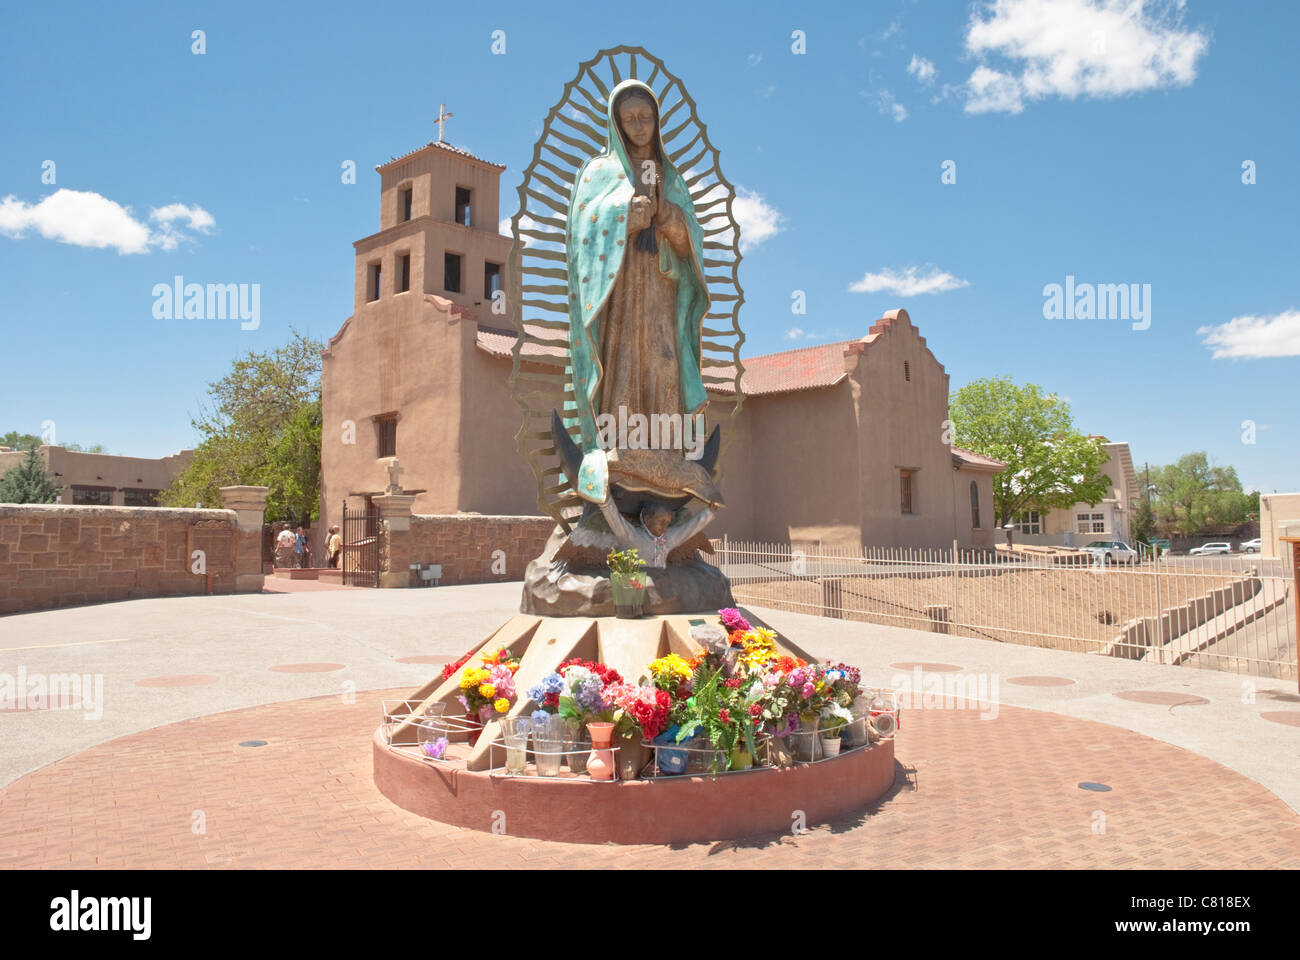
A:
x: 840, y: 442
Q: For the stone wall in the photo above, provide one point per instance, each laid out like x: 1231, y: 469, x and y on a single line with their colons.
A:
x: 465, y: 545
x: 57, y: 554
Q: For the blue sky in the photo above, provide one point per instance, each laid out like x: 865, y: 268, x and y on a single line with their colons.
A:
x: 1090, y: 138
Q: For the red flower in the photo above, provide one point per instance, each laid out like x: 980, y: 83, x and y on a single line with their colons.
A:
x: 733, y: 683
x: 606, y: 674
x: 551, y: 700
x: 724, y: 715
x: 755, y: 709
x: 451, y: 668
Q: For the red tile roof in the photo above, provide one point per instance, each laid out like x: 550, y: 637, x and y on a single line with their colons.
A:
x: 807, y: 368
x: 445, y: 146
x: 961, y: 457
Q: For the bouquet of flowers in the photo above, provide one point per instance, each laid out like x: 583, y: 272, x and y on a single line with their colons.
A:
x: 672, y: 675
x: 733, y: 621
x: 626, y: 566
x: 581, y: 694
x: 809, y: 686
x: 636, y: 707
x: 758, y: 649
x: 727, y: 708
x: 833, y: 719
x: 844, y: 683
x: 546, y: 694
x: 489, y: 690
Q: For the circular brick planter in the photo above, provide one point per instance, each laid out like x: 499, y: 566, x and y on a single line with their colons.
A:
x: 665, y: 811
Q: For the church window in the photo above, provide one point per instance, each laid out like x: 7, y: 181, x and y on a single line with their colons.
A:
x: 974, y: 505
x: 491, y: 279
x: 451, y: 272
x: 403, y: 272
x: 374, y: 283
x: 463, y: 212
x: 386, y: 427
x: 905, y: 490
x: 405, y: 202
x: 907, y: 371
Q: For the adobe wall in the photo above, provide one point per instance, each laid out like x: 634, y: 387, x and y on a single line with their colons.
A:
x: 60, y: 554
x: 465, y: 545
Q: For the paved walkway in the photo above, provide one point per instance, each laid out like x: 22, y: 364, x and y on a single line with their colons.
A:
x: 1201, y: 765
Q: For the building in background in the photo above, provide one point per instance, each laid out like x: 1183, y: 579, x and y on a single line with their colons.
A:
x: 104, y: 479
x: 1276, y: 510
x: 1080, y: 524
x: 840, y: 443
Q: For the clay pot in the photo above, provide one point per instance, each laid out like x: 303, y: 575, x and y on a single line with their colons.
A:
x: 600, y: 765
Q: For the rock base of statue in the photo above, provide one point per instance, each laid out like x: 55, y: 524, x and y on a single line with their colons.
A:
x: 555, y: 590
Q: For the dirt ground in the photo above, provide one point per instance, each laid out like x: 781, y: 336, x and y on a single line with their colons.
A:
x: 1062, y: 608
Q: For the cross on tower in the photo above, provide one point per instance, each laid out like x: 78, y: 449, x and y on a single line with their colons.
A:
x: 443, y: 117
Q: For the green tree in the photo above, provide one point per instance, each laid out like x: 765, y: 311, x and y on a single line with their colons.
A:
x: 20, y: 441
x: 1050, y: 464
x: 1193, y: 495
x: 29, y: 482
x: 260, y: 426
x: 29, y: 441
x: 1142, y: 523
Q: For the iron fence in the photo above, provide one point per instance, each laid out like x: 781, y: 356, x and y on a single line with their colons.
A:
x: 1234, y: 613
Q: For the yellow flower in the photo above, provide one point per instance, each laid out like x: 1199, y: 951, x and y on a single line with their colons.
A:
x: 671, y: 664
x: 487, y: 691
x: 502, y: 705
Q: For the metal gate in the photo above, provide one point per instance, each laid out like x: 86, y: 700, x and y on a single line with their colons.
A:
x: 360, y: 561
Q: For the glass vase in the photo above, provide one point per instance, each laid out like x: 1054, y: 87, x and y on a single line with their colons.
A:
x: 629, y: 594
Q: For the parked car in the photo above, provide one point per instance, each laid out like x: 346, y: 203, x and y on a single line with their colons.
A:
x: 1111, y: 551
x: 1250, y: 546
x: 1205, y: 549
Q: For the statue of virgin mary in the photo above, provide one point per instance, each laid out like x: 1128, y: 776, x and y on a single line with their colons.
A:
x: 637, y: 297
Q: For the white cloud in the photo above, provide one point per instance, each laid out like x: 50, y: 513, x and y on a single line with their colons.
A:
x: 759, y: 221
x: 168, y: 236
x: 754, y: 59
x: 86, y: 219
x: 923, y: 69
x: 989, y: 91
x: 799, y: 333
x: 1077, y: 48
x: 1275, y: 336
x: 196, y: 217
x: 888, y: 105
x: 909, y: 282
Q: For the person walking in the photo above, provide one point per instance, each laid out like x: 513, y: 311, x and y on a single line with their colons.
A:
x: 284, y: 541
x: 335, y: 546
x: 300, y: 549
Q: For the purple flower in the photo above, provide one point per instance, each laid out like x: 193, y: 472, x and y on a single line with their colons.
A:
x: 437, y: 748
x: 733, y: 620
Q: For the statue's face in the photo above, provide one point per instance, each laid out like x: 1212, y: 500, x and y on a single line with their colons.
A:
x: 656, y: 519
x: 636, y: 115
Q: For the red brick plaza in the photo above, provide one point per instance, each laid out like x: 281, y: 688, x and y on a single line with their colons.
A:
x: 969, y: 793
